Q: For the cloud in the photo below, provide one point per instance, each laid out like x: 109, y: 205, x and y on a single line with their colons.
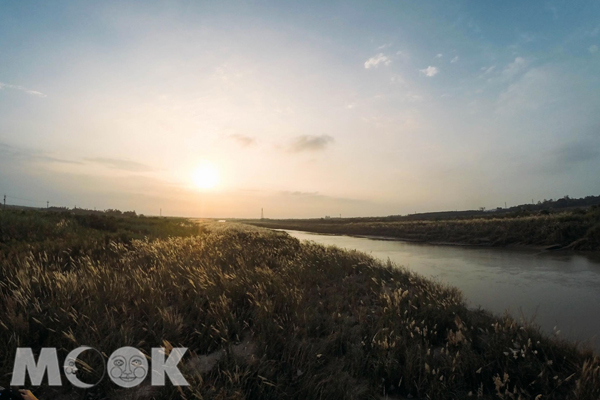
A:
x: 568, y: 156
x: 430, y: 71
x: 487, y: 70
x: 455, y: 59
x: 23, y: 89
x: 402, y: 56
x: 575, y: 153
x: 593, y: 49
x: 306, y: 198
x: 413, y: 97
x: 117, y: 163
x: 310, y: 143
x: 439, y: 55
x: 553, y: 10
x: 514, y: 67
x: 536, y: 89
x: 526, y: 37
x: 243, y: 140
x: 397, y: 79
x: 21, y: 154
x: 374, y: 61
x: 298, y: 193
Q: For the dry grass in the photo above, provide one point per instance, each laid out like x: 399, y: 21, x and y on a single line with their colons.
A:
x: 268, y: 317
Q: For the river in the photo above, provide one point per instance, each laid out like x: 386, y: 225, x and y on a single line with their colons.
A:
x: 559, y: 291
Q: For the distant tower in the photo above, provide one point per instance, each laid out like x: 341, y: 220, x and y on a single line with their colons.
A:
x: 262, y: 213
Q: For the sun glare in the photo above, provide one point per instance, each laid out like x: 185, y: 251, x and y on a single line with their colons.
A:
x: 205, y: 176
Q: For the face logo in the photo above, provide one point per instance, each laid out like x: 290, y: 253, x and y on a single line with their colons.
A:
x: 70, y: 367
x: 128, y: 367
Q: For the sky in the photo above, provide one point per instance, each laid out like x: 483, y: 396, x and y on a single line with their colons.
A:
x: 303, y: 109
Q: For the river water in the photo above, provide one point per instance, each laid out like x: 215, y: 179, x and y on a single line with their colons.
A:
x: 559, y: 291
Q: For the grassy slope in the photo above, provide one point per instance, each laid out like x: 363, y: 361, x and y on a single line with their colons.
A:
x: 578, y: 230
x: 319, y: 322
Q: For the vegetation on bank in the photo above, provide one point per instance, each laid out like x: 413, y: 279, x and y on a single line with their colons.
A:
x: 264, y: 316
x: 577, y: 229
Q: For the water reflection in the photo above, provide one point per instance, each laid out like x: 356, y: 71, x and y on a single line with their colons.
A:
x: 556, y: 289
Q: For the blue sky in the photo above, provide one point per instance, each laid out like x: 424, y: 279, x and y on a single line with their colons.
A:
x: 302, y: 108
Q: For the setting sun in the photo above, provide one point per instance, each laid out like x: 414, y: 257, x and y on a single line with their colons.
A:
x: 205, y: 176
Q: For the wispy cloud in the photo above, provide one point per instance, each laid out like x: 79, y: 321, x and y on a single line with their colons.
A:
x: 397, y: 79
x: 413, y: 97
x: 28, y: 155
x: 568, y: 156
x: 575, y: 153
x: 487, y: 70
x: 439, y: 55
x: 455, y: 59
x: 430, y: 71
x: 243, y: 140
x: 514, y: 67
x: 306, y: 197
x: 403, y: 56
x: 376, y: 60
x: 21, y: 88
x: 298, y: 193
x: 593, y: 49
x: 310, y: 143
x: 527, y: 37
x: 532, y: 91
x: 117, y: 163
x: 552, y: 9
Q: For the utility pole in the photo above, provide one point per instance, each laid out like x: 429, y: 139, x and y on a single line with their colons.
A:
x: 5, y: 202
x: 47, y: 204
x: 161, y: 212
x: 262, y: 213
x: 505, y: 205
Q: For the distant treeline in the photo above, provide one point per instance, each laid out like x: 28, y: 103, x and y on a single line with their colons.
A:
x: 85, y: 211
x: 545, y: 207
x: 76, y: 210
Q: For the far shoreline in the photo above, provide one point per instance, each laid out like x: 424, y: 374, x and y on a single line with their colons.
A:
x: 569, y: 232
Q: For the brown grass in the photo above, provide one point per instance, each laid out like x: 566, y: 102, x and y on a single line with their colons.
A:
x: 268, y: 317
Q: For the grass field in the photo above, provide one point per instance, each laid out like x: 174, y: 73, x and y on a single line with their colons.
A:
x: 264, y: 316
x: 577, y: 229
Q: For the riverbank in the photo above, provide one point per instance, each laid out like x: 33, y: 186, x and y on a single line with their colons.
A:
x: 515, y: 246
x: 574, y: 230
x: 265, y: 316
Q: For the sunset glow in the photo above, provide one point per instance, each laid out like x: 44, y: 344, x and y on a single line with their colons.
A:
x: 205, y: 176
x: 324, y: 108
